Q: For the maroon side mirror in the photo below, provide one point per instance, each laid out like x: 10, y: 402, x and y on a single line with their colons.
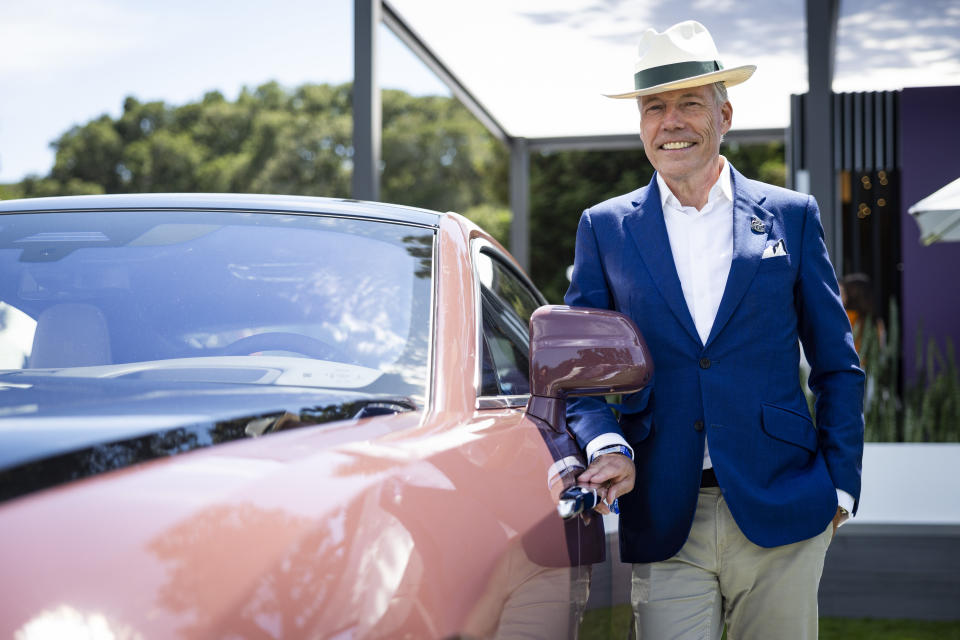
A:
x: 581, y: 352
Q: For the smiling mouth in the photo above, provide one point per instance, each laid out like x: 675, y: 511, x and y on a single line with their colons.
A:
x: 669, y: 146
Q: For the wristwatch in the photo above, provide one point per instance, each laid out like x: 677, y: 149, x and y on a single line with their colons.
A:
x: 613, y: 448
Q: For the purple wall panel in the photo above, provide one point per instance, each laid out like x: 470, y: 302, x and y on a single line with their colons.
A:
x: 930, y: 158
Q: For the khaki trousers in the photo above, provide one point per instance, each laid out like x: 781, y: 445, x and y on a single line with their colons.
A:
x: 721, y: 578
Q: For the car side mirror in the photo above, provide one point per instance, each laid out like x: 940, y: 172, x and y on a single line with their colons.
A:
x: 582, y: 352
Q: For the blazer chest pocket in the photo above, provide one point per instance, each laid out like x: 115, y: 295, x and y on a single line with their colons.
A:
x: 790, y: 427
x: 774, y: 264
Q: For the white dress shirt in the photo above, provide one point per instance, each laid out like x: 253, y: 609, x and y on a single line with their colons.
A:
x: 702, y: 245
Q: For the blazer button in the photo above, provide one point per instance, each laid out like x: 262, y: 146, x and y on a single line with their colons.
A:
x: 704, y: 363
x: 698, y: 425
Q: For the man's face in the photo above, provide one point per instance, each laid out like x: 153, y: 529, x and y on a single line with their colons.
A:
x: 681, y: 132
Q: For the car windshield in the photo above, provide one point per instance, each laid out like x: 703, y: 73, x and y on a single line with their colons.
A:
x: 217, y: 296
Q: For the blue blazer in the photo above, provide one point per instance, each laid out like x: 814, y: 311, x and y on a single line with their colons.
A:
x: 740, y: 391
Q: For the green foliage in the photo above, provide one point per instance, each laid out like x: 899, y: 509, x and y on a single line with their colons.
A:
x: 603, y: 623
x: 762, y: 162
x: 34, y: 187
x: 880, y: 359
x: 436, y: 155
x: 10, y: 191
x: 271, y: 140
x: 494, y: 220
x: 89, y: 154
x: 870, y: 629
x: 933, y: 398
x: 928, y: 409
x: 562, y: 185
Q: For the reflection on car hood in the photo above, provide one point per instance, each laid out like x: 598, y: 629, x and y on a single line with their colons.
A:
x: 54, y: 429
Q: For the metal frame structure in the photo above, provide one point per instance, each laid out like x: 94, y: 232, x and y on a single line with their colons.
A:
x: 821, y: 37
x: 419, y: 47
x: 367, y: 124
x: 818, y: 121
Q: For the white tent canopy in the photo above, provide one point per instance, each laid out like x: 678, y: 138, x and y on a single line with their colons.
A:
x: 939, y: 215
x: 540, y: 66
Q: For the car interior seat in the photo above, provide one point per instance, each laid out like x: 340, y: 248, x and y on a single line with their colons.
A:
x: 70, y: 335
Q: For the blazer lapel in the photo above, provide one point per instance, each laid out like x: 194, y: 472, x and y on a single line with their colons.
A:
x: 649, y: 233
x: 749, y: 241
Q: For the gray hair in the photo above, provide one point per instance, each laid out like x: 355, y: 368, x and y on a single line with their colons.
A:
x: 720, y: 97
x: 720, y: 92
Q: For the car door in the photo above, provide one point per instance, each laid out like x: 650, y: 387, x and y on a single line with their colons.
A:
x: 554, y: 557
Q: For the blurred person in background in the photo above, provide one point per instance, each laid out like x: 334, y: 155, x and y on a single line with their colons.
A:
x: 856, y: 292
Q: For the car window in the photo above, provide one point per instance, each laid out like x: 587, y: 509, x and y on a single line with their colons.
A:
x: 506, y: 305
x: 218, y: 296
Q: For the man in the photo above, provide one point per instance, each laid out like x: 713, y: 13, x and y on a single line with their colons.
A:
x: 733, y: 495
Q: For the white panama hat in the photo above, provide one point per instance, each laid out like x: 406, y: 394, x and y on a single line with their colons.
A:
x: 682, y: 56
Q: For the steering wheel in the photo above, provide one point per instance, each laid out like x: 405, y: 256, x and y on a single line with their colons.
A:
x: 283, y: 341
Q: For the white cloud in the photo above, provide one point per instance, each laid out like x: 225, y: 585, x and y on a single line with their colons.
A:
x: 713, y: 5
x: 59, y: 34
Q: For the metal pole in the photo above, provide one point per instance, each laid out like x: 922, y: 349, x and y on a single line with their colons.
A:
x: 520, y: 201
x: 818, y: 121
x: 365, y: 183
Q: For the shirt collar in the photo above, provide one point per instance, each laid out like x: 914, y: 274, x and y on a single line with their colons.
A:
x: 723, y: 187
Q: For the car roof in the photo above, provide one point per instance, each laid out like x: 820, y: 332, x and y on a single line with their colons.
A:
x: 228, y: 202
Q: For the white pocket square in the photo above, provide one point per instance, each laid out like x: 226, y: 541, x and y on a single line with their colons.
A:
x: 775, y: 250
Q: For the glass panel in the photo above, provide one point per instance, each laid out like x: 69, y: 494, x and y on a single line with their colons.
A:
x: 267, y: 298
x: 507, y: 304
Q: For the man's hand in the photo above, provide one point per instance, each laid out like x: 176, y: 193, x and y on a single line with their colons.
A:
x: 839, y: 518
x: 614, y: 472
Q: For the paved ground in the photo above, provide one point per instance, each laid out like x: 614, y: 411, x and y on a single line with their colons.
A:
x: 893, y: 571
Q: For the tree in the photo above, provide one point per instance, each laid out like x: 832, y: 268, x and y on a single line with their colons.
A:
x: 562, y: 185
x: 436, y: 155
x: 270, y: 140
x: 273, y: 140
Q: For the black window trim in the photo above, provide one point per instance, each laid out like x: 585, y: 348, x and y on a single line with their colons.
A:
x: 484, y: 246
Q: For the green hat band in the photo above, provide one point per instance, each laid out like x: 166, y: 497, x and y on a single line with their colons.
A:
x: 672, y: 72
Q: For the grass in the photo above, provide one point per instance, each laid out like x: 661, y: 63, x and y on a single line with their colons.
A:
x: 610, y: 623
x: 871, y: 629
x: 605, y: 622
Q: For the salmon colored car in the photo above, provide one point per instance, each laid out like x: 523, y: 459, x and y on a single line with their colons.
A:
x: 261, y: 416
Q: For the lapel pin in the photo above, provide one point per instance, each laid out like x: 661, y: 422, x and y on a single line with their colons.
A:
x: 757, y: 226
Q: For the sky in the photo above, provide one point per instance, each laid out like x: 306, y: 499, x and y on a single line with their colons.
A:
x: 540, y: 66
x: 65, y: 62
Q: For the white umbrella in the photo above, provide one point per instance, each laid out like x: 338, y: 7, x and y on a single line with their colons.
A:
x: 939, y: 215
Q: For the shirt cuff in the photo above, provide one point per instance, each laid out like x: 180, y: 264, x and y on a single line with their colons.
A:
x: 606, y: 440
x: 844, y: 500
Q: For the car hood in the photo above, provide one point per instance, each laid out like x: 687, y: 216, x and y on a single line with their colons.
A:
x: 56, y: 428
